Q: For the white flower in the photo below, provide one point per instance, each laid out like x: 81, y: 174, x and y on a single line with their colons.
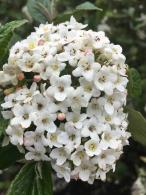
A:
x: 89, y: 89
x: 79, y: 156
x: 42, y: 104
x: 101, y: 174
x: 16, y: 134
x: 45, y: 122
x: 60, y: 155
x: 52, y: 67
x: 72, y: 53
x: 71, y: 137
x: 27, y: 63
x: 110, y: 139
x: 105, y: 159
x: 60, y: 87
x: 76, y: 119
x: 94, y: 108
x: 63, y: 171
x: 22, y: 115
x: 36, y: 139
x: 112, y: 103
x: 86, y: 67
x: 99, y: 39
x: 33, y: 154
x: 90, y: 128
x: 10, y: 101
x: 76, y: 99
x: 6, y: 79
x: 84, y: 170
x: 121, y: 83
x: 105, y: 79
x: 26, y: 95
x: 7, y: 114
x: 53, y: 140
x: 73, y: 24
x: 92, y: 147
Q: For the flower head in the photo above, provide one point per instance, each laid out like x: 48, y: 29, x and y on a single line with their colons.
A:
x: 68, y: 106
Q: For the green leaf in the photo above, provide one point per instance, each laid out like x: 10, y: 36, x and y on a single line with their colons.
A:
x: 134, y: 85
x: 137, y: 126
x: 43, y: 184
x: 8, y: 156
x: 3, y: 122
x: 6, y: 33
x: 78, y: 12
x: 28, y: 182
x: 3, y: 125
x: 40, y: 10
x: 88, y: 6
x: 24, y: 181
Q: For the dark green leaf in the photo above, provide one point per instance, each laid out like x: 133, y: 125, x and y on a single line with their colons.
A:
x: 88, y: 6
x: 24, y: 181
x: 6, y: 33
x: 3, y: 125
x: 3, y: 122
x: 28, y: 182
x: 78, y: 12
x: 134, y: 85
x: 40, y: 10
x: 8, y: 156
x: 43, y: 186
x: 137, y: 126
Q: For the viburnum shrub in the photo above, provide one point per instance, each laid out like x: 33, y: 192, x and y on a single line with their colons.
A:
x: 67, y: 102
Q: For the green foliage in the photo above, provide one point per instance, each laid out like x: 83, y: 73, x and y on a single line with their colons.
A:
x: 137, y: 126
x: 8, y: 156
x: 3, y: 125
x: 3, y: 122
x: 134, y: 85
x: 88, y: 6
x: 6, y: 33
x: 46, y: 10
x: 40, y: 10
x: 28, y: 182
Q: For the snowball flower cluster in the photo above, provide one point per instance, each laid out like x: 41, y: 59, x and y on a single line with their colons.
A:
x: 69, y: 98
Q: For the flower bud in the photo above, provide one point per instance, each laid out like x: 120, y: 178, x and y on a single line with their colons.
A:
x: 88, y: 52
x: 20, y: 76
x: 61, y: 116
x: 36, y: 78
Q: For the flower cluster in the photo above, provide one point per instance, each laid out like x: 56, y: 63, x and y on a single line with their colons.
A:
x: 67, y: 107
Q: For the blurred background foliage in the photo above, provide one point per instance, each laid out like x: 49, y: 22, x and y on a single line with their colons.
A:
x: 124, y: 21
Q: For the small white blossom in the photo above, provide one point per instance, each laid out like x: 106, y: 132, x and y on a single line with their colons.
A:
x: 16, y: 134
x: 60, y: 155
x: 92, y: 147
x: 60, y: 87
x: 22, y: 115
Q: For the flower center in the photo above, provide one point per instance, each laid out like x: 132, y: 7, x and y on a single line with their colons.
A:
x: 26, y: 116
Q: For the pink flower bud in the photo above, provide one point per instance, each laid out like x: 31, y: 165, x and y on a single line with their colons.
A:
x: 20, y: 76
x: 61, y: 116
x: 41, y: 42
x: 88, y: 52
x: 36, y: 78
